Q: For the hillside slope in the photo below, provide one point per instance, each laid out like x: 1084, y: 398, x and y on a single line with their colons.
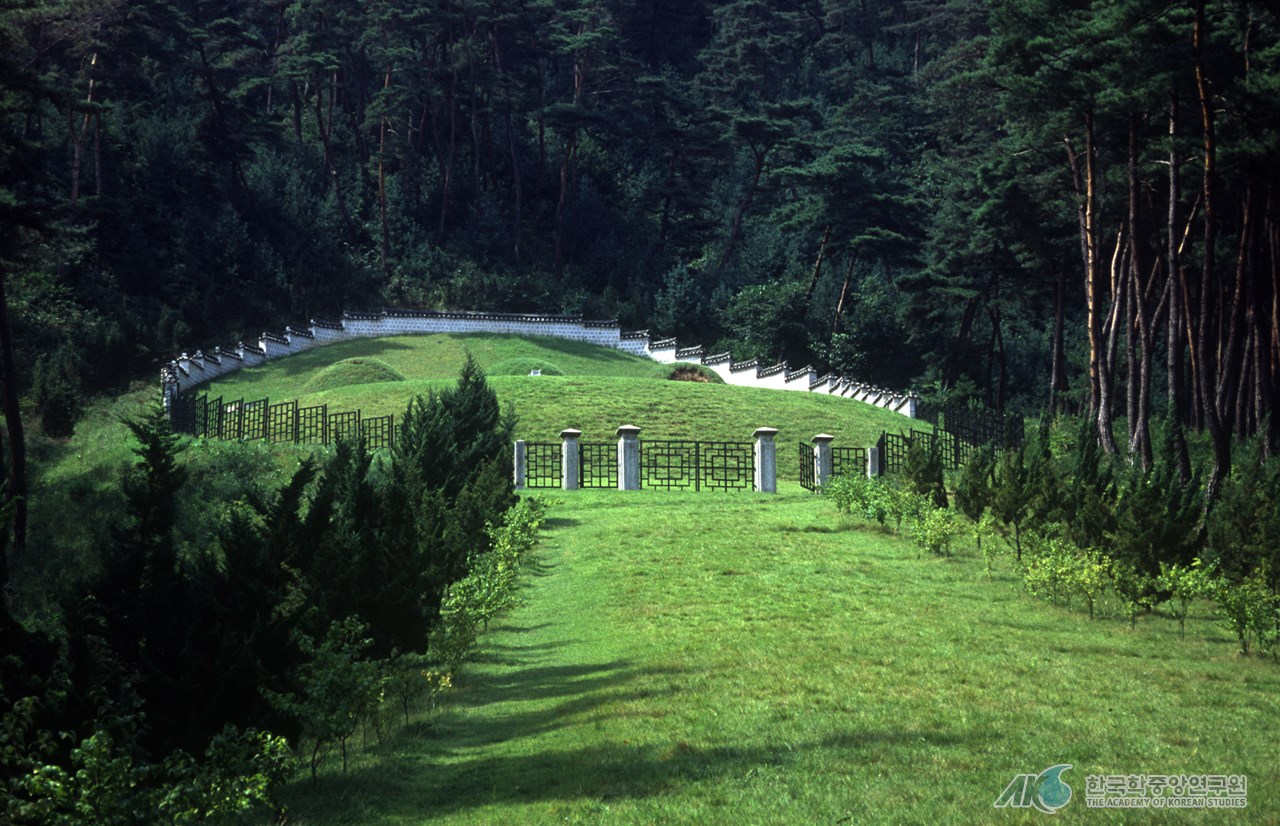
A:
x: 590, y: 388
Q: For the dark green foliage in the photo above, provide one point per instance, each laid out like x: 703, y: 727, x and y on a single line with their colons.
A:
x: 58, y: 396
x: 1015, y: 493
x: 278, y: 621
x: 924, y: 471
x: 1244, y: 524
x: 975, y: 489
x: 1157, y: 520
x: 1089, y: 500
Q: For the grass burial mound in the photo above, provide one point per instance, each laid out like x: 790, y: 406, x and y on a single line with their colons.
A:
x: 593, y: 389
x: 352, y: 371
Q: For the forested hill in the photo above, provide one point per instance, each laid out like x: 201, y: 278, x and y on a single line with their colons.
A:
x: 980, y: 197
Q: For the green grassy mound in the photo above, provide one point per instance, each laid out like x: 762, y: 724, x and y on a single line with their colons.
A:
x: 523, y: 366
x: 594, y: 389
x: 688, y: 371
x: 352, y: 371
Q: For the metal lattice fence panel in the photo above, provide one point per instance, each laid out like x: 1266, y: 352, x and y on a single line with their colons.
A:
x: 378, y: 431
x: 808, y: 467
x: 254, y: 417
x: 848, y: 461
x: 929, y: 444
x: 980, y: 426
x: 542, y: 465
x: 895, y: 447
x: 182, y: 413
x: 213, y: 418
x: 598, y: 465
x: 669, y: 465
x: 725, y: 465
x: 233, y: 420
x: 344, y: 426
x: 282, y: 422
x: 313, y: 425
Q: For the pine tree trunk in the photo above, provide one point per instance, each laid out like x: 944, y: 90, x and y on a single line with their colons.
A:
x: 1205, y: 356
x: 817, y: 267
x: 1058, y: 368
x: 1139, y: 382
x: 16, y: 490
x: 1174, y: 338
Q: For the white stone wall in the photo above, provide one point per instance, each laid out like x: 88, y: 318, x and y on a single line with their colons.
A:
x: 188, y: 371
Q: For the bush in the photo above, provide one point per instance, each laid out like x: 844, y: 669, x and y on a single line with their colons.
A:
x: 489, y: 588
x: 858, y: 496
x: 1250, y: 609
x: 924, y: 471
x: 974, y: 493
x: 337, y: 688
x: 933, y: 529
x: 1184, y: 584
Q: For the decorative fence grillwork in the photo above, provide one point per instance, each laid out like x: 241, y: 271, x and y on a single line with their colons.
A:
x: 254, y: 416
x: 894, y: 447
x: 679, y: 465
x: 668, y: 465
x: 974, y: 425
x: 846, y: 461
x: 808, y: 467
x: 283, y: 422
x: 313, y: 425
x: 928, y: 443
x: 378, y: 431
x: 542, y: 465
x: 725, y: 465
x: 344, y: 425
x: 598, y: 465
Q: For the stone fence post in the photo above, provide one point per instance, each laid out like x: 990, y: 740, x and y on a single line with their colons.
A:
x: 822, y: 458
x: 874, y: 467
x: 521, y: 463
x: 766, y: 464
x: 569, y: 462
x: 628, y: 457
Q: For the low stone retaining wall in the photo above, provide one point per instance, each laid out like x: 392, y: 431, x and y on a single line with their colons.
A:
x: 190, y: 370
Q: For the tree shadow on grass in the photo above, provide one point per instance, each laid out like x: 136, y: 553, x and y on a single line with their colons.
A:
x: 429, y: 786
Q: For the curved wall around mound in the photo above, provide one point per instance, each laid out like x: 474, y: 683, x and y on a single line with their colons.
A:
x: 189, y: 370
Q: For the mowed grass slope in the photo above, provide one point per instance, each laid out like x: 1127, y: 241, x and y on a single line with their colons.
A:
x: 745, y: 659
x: 598, y: 390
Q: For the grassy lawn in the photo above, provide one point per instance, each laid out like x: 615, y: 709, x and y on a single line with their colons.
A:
x: 597, y: 390
x: 734, y: 658
x: 435, y: 357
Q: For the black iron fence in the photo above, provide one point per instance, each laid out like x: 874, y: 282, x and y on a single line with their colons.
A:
x: 664, y: 465
x: 848, y: 461
x: 975, y: 425
x: 240, y: 420
x: 808, y: 467
x: 598, y: 465
x: 542, y: 465
x: 681, y: 465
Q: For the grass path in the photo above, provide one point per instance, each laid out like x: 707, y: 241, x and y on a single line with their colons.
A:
x: 720, y: 658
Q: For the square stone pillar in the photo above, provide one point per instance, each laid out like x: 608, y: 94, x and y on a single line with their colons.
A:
x: 873, y: 462
x: 521, y: 462
x: 765, y: 477
x: 628, y: 457
x: 570, y: 475
x: 822, y: 458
